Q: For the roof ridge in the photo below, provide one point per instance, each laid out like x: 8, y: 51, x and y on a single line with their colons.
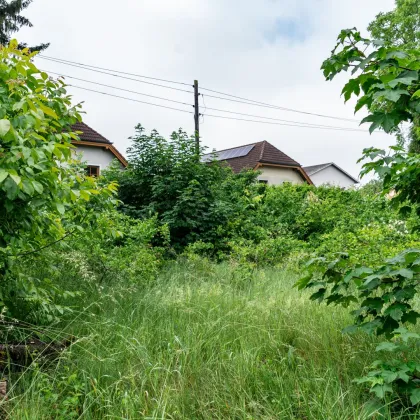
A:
x: 320, y: 164
x: 267, y: 154
x: 96, y: 132
x: 323, y: 166
x: 262, y: 149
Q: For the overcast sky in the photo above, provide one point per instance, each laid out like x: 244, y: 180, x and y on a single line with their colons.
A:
x: 265, y: 50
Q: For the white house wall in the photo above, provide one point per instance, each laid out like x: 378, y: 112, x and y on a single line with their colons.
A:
x: 96, y: 156
x: 332, y: 176
x: 277, y: 175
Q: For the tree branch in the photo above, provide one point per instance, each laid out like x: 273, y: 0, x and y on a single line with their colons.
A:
x: 50, y: 244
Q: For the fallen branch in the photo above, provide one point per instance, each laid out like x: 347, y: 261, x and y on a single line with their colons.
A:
x: 25, y: 353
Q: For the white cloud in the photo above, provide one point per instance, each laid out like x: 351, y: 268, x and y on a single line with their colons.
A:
x: 224, y: 45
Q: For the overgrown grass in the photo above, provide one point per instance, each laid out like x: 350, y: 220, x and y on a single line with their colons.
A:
x: 204, y: 342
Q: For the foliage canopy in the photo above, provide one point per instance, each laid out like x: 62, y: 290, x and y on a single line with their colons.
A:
x: 193, y: 198
x: 401, y: 28
x: 388, y: 86
x: 44, y: 196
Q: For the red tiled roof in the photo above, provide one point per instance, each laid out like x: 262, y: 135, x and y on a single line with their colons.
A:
x: 90, y: 137
x: 262, y: 152
x: 89, y: 134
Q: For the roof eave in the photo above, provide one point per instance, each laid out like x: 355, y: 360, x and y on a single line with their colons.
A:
x: 346, y: 173
x: 292, y: 165
x: 298, y: 168
x: 325, y: 166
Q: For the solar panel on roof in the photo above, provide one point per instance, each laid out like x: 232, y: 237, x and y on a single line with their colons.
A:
x: 228, y: 154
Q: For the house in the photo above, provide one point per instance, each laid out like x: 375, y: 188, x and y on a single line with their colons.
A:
x: 275, y: 166
x: 95, y: 150
x: 330, y: 174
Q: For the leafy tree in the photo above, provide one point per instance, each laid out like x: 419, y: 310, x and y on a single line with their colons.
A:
x: 11, y: 21
x: 401, y: 27
x: 389, y: 76
x: 44, y: 195
x: 164, y: 177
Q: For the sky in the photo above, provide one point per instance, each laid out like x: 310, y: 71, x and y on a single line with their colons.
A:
x: 267, y: 50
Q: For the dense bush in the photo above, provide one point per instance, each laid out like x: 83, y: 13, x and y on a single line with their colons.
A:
x: 387, y: 84
x: 369, y: 244
x: 219, y: 214
x: 45, y: 197
x: 117, y: 250
x: 166, y: 178
x: 288, y: 223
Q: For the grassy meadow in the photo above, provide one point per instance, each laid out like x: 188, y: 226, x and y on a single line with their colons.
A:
x: 205, y: 341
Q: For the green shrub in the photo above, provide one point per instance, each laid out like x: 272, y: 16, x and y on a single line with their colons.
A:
x: 387, y: 83
x: 167, y: 179
x: 45, y: 197
x: 370, y: 244
x: 116, y: 251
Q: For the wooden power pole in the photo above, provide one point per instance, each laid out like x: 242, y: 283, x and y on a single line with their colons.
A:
x: 196, y: 118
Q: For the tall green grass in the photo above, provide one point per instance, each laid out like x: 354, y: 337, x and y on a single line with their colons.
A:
x: 204, y: 342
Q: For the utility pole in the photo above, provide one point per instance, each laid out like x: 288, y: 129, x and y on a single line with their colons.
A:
x: 196, y: 118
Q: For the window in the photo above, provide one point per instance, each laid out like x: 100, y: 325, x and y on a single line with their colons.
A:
x: 263, y: 181
x: 92, y: 170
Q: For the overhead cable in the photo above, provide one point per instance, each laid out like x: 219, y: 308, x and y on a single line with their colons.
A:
x: 61, y: 60
x: 118, y: 88
x: 206, y: 108
x: 131, y: 99
x: 124, y: 77
x: 251, y: 101
x: 288, y: 121
x: 285, y: 124
x: 215, y: 116
x: 237, y: 99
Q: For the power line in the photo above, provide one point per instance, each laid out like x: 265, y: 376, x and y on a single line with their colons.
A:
x: 212, y: 109
x: 285, y: 124
x: 59, y: 60
x: 124, y: 90
x: 257, y: 103
x: 281, y: 108
x: 237, y: 99
x: 132, y: 100
x: 211, y: 115
x: 124, y: 77
x: 288, y: 121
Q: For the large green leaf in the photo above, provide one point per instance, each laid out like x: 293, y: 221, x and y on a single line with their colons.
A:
x: 387, y: 346
x: 303, y: 282
x: 391, y: 94
x: 4, y: 127
x: 415, y: 396
x: 352, y: 87
x: 410, y: 317
x: 389, y: 376
x: 381, y: 390
x: 47, y: 110
x: 407, y: 77
x: 16, y: 178
x: 38, y: 187
x: 3, y: 175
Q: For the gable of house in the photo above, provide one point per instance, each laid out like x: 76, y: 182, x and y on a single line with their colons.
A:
x: 330, y: 174
x: 96, y: 150
x: 275, y: 166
